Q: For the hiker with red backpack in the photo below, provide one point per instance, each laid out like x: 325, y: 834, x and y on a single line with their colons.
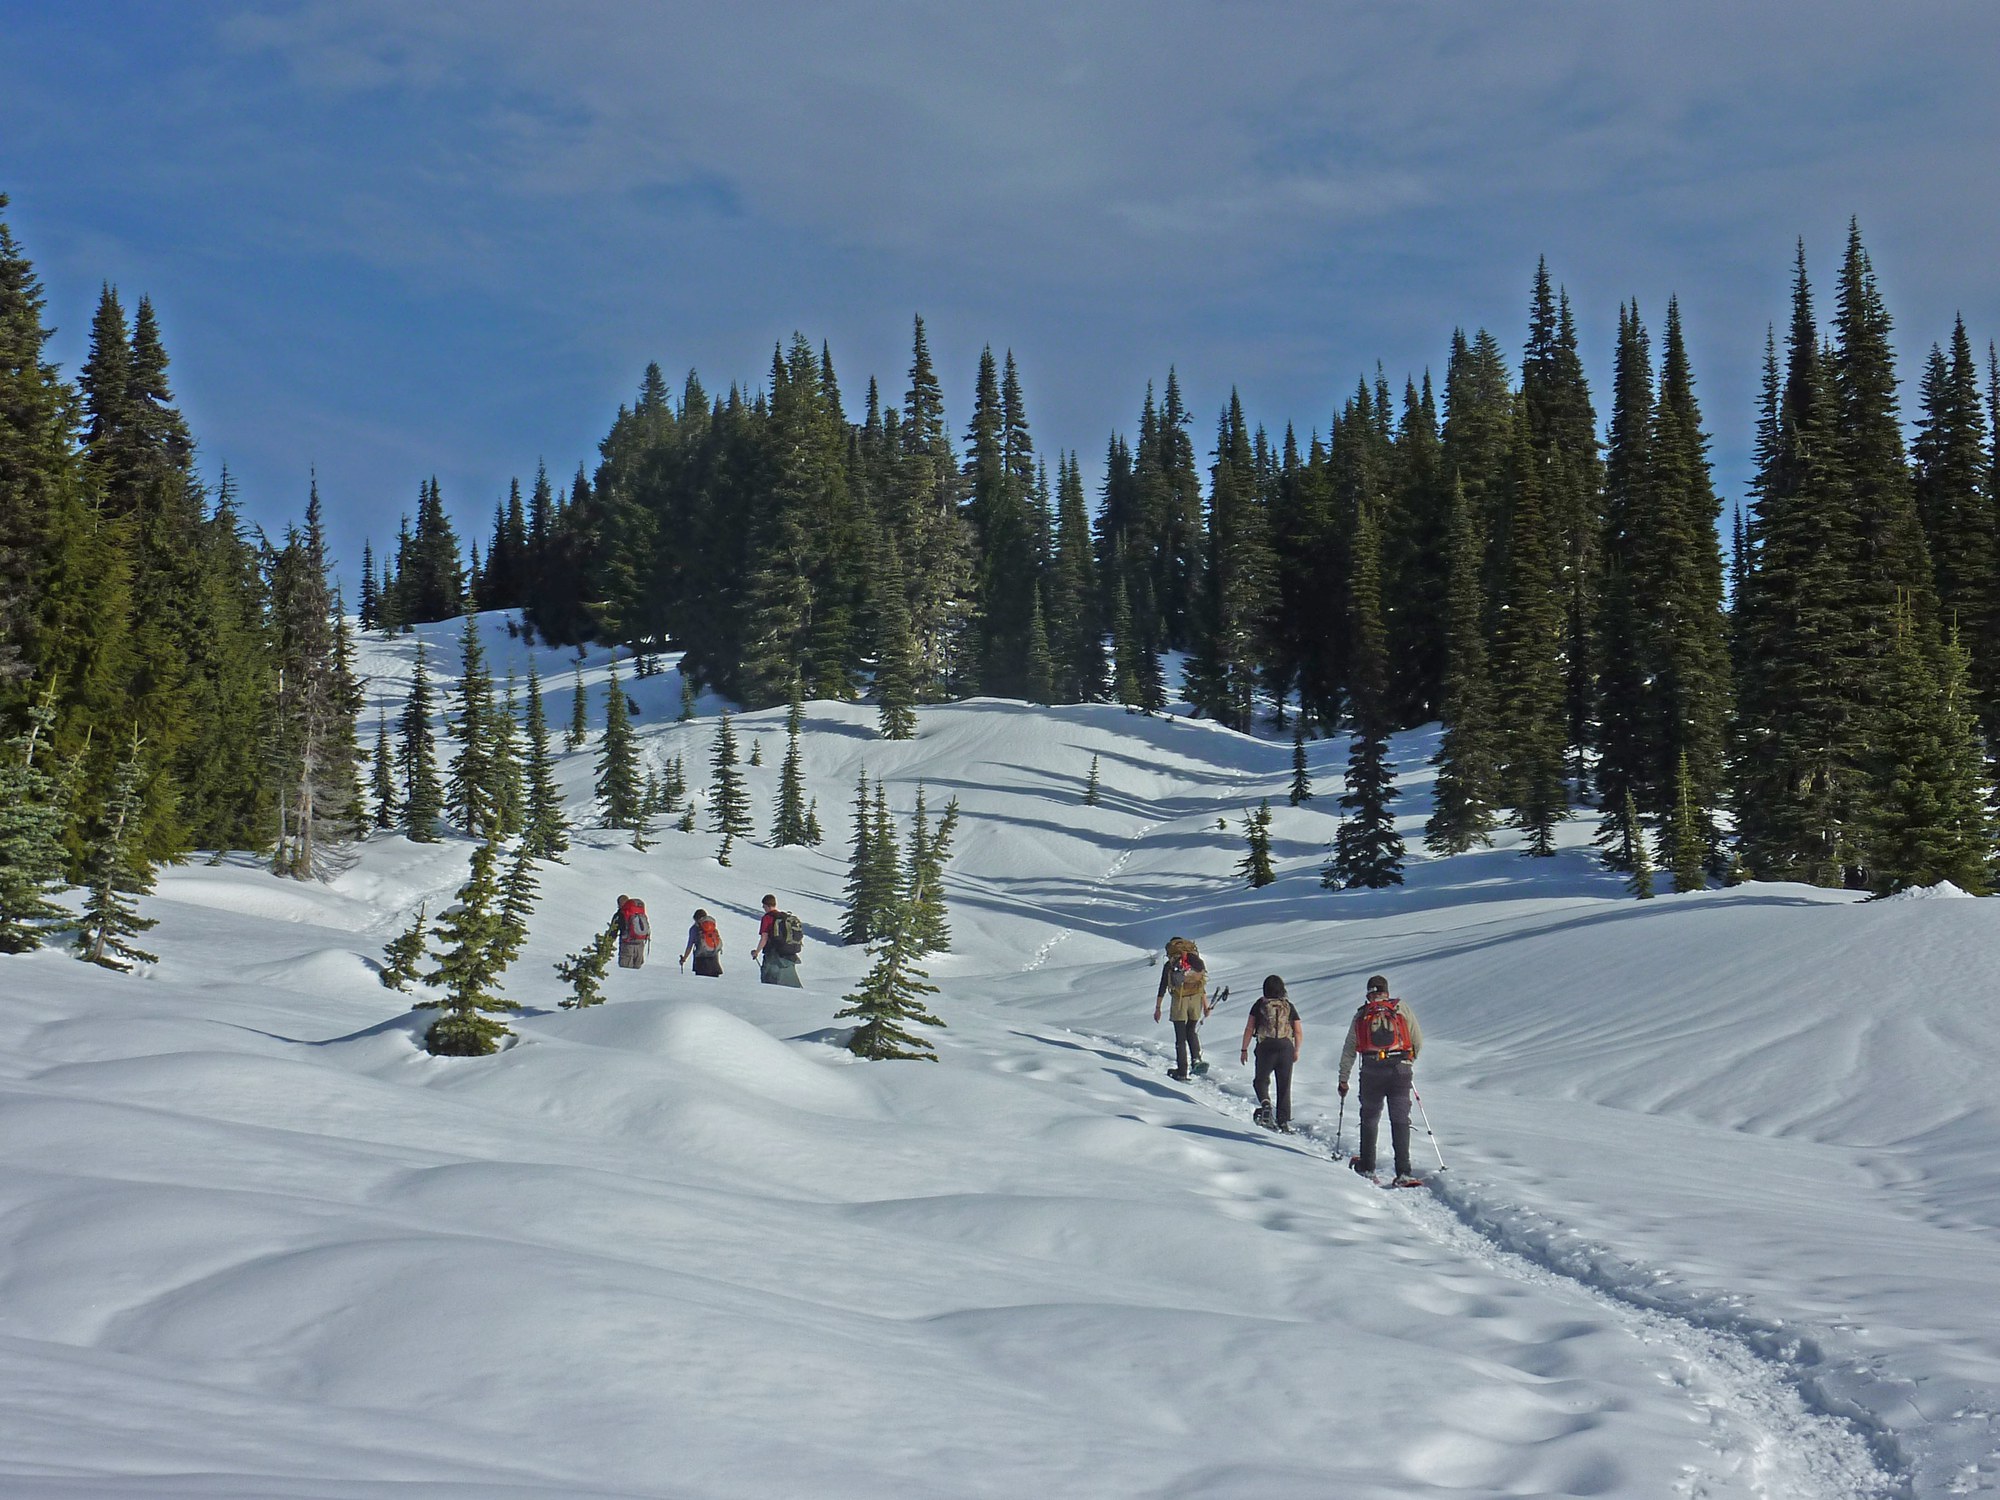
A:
x: 780, y: 939
x: 705, y: 943
x: 1187, y: 976
x: 1275, y: 1027
x: 1387, y: 1039
x: 635, y: 932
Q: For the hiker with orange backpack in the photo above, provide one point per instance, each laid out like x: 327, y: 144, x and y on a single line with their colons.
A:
x: 705, y: 943
x: 1187, y: 976
x: 635, y: 933
x: 1387, y: 1039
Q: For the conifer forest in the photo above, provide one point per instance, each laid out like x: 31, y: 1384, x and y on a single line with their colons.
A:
x: 1800, y: 684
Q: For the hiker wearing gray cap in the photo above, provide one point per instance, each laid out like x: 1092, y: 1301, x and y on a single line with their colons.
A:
x: 1387, y: 1039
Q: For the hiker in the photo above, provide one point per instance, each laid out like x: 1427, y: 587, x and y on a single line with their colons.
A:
x: 1187, y: 976
x: 1275, y: 1027
x: 705, y: 943
x: 635, y: 932
x: 780, y: 936
x: 1387, y: 1039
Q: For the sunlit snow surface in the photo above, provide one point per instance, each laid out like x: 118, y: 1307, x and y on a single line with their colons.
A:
x: 1722, y: 1216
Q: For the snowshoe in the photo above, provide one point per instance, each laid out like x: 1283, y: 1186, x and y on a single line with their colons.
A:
x: 1285, y: 1129
x: 1404, y: 1179
x: 1200, y: 1067
x: 1262, y: 1116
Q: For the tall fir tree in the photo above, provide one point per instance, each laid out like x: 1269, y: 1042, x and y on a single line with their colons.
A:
x: 387, y: 811
x: 788, y: 827
x: 890, y: 999
x: 728, y: 802
x: 470, y: 960
x: 1368, y: 851
x: 116, y: 872
x: 471, y: 792
x: 545, y: 830
x: 1462, y: 815
x: 32, y: 813
x: 1255, y: 866
x: 1929, y: 819
x: 863, y: 894
x: 620, y: 794
x: 1533, y: 708
x: 1301, y: 788
x: 416, y: 759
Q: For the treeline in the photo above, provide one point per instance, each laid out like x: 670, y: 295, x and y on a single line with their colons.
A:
x: 1484, y: 554
x: 168, y: 681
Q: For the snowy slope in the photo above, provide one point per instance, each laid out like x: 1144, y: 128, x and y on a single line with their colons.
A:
x: 1722, y: 1219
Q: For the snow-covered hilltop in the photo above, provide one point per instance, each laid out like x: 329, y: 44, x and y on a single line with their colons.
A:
x: 1722, y: 1216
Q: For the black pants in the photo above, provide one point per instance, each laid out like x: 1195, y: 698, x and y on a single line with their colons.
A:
x: 1187, y: 1044
x: 1276, y: 1054
x: 708, y: 964
x: 1385, y: 1083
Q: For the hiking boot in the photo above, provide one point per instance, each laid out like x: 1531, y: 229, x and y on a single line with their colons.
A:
x: 1178, y: 1075
x: 1366, y: 1170
x: 1285, y: 1128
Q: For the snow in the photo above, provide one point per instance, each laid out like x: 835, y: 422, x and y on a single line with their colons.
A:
x: 1722, y: 1216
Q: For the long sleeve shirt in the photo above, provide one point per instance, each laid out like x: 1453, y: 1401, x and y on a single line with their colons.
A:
x: 1352, y: 1047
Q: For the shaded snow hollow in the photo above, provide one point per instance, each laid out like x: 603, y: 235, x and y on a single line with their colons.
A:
x: 1722, y: 1219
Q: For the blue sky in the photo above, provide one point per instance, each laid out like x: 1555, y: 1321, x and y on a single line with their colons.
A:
x: 388, y: 240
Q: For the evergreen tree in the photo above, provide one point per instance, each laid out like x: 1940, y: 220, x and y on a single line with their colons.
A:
x: 470, y: 959
x: 518, y: 893
x: 789, y: 826
x: 620, y: 800
x: 687, y: 696
x: 416, y: 759
x: 938, y: 550
x: 1467, y: 772
x: 584, y: 971
x: 383, y: 779
x: 369, y: 601
x: 472, y: 789
x: 923, y: 886
x: 1255, y: 865
x: 579, y: 715
x: 1301, y: 771
x: 890, y: 1000
x: 1090, y: 786
x: 116, y: 872
x: 545, y: 827
x: 1075, y: 636
x: 1687, y: 838
x: 1807, y: 634
x: 1040, y: 681
x: 403, y: 953
x: 1368, y: 852
x: 814, y: 835
x: 510, y: 786
x: 885, y: 870
x: 895, y: 649
x: 1955, y: 501
x: 31, y: 823
x: 863, y: 895
x: 1534, y: 724
x: 1638, y: 858
x: 1928, y: 819
x: 729, y: 803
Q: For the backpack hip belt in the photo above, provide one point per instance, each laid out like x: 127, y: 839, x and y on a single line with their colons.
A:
x: 1393, y: 1055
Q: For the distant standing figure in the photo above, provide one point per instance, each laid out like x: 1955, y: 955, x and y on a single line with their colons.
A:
x: 780, y: 936
x: 1275, y: 1027
x: 1387, y: 1039
x: 1187, y: 976
x: 705, y: 943
x: 635, y: 932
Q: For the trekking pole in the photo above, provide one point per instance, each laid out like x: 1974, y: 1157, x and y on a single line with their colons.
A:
x: 1427, y: 1127
x: 1339, y: 1126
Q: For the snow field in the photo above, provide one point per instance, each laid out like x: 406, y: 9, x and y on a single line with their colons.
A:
x: 1720, y: 1222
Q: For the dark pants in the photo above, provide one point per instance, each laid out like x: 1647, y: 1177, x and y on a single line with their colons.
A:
x: 1385, y: 1083
x: 1187, y: 1044
x: 1276, y: 1054
x: 708, y: 964
x: 779, y: 970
